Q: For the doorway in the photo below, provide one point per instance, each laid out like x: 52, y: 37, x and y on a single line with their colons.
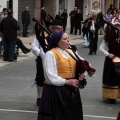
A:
x: 62, y: 5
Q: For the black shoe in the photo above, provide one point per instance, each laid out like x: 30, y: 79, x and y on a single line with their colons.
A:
x: 38, y: 101
x: 112, y: 101
x: 94, y: 53
x: 89, y: 53
x: 25, y: 36
x: 26, y: 51
x: 12, y: 60
x: 5, y: 59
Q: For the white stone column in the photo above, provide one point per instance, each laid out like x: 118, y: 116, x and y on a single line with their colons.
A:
x: 85, y: 9
x: 3, y: 4
x: 37, y: 11
x: 15, y: 9
x: 57, y: 7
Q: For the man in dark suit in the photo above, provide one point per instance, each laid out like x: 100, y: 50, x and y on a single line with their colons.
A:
x: 25, y: 20
x: 9, y: 27
x: 72, y: 19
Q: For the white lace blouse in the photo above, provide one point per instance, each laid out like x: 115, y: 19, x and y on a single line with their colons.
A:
x: 104, y: 48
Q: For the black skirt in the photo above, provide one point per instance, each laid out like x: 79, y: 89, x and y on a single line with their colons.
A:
x: 110, y: 77
x: 40, y: 74
x: 60, y: 103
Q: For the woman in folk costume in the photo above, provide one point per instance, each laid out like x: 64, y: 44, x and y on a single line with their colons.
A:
x: 108, y: 15
x: 64, y: 17
x: 110, y: 47
x: 115, y: 20
x: 93, y: 28
x: 60, y: 98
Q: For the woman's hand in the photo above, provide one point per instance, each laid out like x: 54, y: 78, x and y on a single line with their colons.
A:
x: 72, y: 82
x: 110, y: 55
x: 81, y: 76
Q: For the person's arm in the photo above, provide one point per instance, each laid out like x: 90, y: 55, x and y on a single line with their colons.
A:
x: 23, y: 17
x: 36, y: 47
x: 1, y: 27
x: 16, y: 25
x: 70, y: 13
x: 50, y: 70
x: 113, y: 21
x: 104, y: 48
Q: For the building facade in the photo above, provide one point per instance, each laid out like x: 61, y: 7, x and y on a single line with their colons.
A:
x: 54, y: 7
x: 99, y: 6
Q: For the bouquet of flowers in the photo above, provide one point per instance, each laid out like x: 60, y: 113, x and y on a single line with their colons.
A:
x: 95, y: 4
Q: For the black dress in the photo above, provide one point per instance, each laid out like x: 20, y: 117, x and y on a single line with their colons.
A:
x: 78, y: 19
x: 111, y: 80
x: 64, y: 20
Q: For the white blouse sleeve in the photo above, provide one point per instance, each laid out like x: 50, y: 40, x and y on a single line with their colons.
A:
x: 104, y: 48
x: 50, y: 70
x: 36, y: 47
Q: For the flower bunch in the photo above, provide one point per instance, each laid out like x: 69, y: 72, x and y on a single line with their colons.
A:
x: 96, y: 4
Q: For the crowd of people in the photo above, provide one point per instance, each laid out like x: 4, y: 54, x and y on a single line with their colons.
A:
x: 10, y: 42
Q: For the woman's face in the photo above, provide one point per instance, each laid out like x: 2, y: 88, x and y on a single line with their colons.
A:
x: 65, y: 11
x: 64, y: 42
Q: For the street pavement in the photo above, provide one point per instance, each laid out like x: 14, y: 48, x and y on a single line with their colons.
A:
x: 18, y: 92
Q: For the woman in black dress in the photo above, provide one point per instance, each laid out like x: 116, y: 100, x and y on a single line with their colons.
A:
x: 64, y: 17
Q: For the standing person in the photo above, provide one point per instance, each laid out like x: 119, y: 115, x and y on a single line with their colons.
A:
x: 93, y: 28
x: 115, y: 20
x: 85, y: 30
x: 25, y: 20
x: 36, y: 48
x: 3, y: 14
x: 78, y: 19
x: 110, y: 47
x: 60, y: 98
x: 72, y: 19
x: 108, y: 15
x: 64, y: 17
x: 9, y: 27
x: 111, y: 8
x: 100, y: 20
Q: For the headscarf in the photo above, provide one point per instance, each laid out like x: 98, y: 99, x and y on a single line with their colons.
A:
x: 55, y: 38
